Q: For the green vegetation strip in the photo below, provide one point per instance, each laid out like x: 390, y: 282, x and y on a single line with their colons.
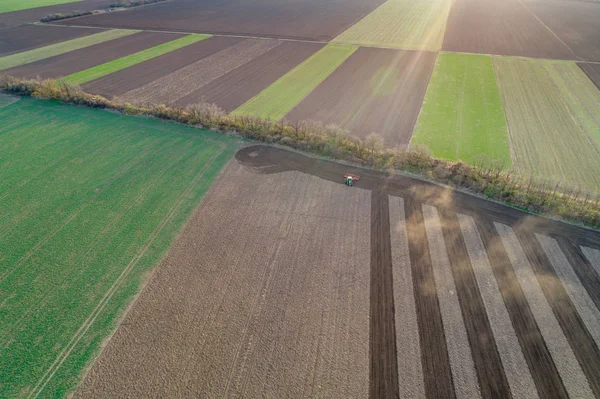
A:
x: 580, y: 93
x: 5, y: 101
x: 116, y: 65
x: 281, y: 97
x: 41, y: 53
x: 462, y: 117
x: 404, y: 24
x: 91, y: 200
x: 548, y: 140
x: 16, y: 5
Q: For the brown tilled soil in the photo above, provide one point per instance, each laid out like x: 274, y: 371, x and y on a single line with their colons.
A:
x: 174, y: 86
x: 310, y: 19
x: 265, y: 294
x: 28, y: 37
x: 501, y: 28
x: 592, y: 71
x: 268, y: 292
x: 238, y: 86
x: 375, y: 90
x: 120, y: 82
x: 16, y: 18
x: 88, y: 57
x: 577, y: 24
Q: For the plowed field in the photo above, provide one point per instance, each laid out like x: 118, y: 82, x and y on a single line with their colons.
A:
x: 28, y: 37
x: 374, y: 90
x: 502, y: 28
x: 311, y: 19
x: 463, y: 298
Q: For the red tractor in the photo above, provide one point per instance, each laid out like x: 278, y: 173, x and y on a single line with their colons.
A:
x: 350, y: 178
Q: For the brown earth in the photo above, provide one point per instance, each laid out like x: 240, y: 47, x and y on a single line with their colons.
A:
x: 577, y: 24
x: 592, y: 71
x: 28, y: 37
x: 238, y: 86
x: 127, y: 79
x: 265, y: 292
x: 375, y: 90
x: 310, y: 19
x: 21, y: 17
x: 501, y: 28
x: 88, y: 57
x: 174, y: 86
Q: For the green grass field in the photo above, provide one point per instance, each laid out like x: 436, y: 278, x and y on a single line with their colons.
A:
x: 462, y: 115
x: 580, y: 94
x: 91, y: 200
x: 401, y: 24
x: 26, y: 57
x: 281, y: 97
x: 16, y: 5
x: 116, y: 65
x: 547, y: 139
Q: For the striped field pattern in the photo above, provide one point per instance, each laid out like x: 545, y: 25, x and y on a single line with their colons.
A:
x: 540, y: 320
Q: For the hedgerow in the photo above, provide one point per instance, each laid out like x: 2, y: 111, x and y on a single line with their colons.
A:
x: 488, y: 179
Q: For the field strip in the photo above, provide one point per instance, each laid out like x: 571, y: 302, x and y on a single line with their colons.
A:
x: 580, y: 94
x: 287, y: 39
x: 17, y: 5
x: 41, y: 53
x: 461, y: 359
x: 179, y: 84
x: 549, y: 141
x: 462, y: 117
x: 282, y: 96
x: 593, y: 256
x: 571, y: 373
x: 401, y: 24
x: 410, y: 370
x: 39, y: 387
x: 515, y: 367
x: 579, y: 296
x: 99, y: 71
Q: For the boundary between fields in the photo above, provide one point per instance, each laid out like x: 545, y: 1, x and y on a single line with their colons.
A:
x: 307, y: 40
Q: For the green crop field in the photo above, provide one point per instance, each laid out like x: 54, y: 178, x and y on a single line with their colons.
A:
x: 281, y: 97
x: 401, y: 24
x: 462, y: 115
x: 546, y: 137
x: 5, y: 101
x: 41, y: 53
x: 91, y: 200
x: 580, y: 94
x: 116, y: 65
x: 16, y: 5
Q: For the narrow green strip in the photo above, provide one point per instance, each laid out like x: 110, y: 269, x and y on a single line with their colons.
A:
x: 16, y: 5
x: 41, y: 53
x: 281, y: 97
x: 462, y: 117
x: 125, y: 62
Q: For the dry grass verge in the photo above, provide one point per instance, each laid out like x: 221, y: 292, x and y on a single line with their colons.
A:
x: 486, y: 178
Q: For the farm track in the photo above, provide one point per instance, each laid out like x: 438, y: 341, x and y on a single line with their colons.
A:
x: 521, y: 334
x: 374, y: 90
x: 241, y: 84
x: 121, y: 82
x: 88, y: 57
